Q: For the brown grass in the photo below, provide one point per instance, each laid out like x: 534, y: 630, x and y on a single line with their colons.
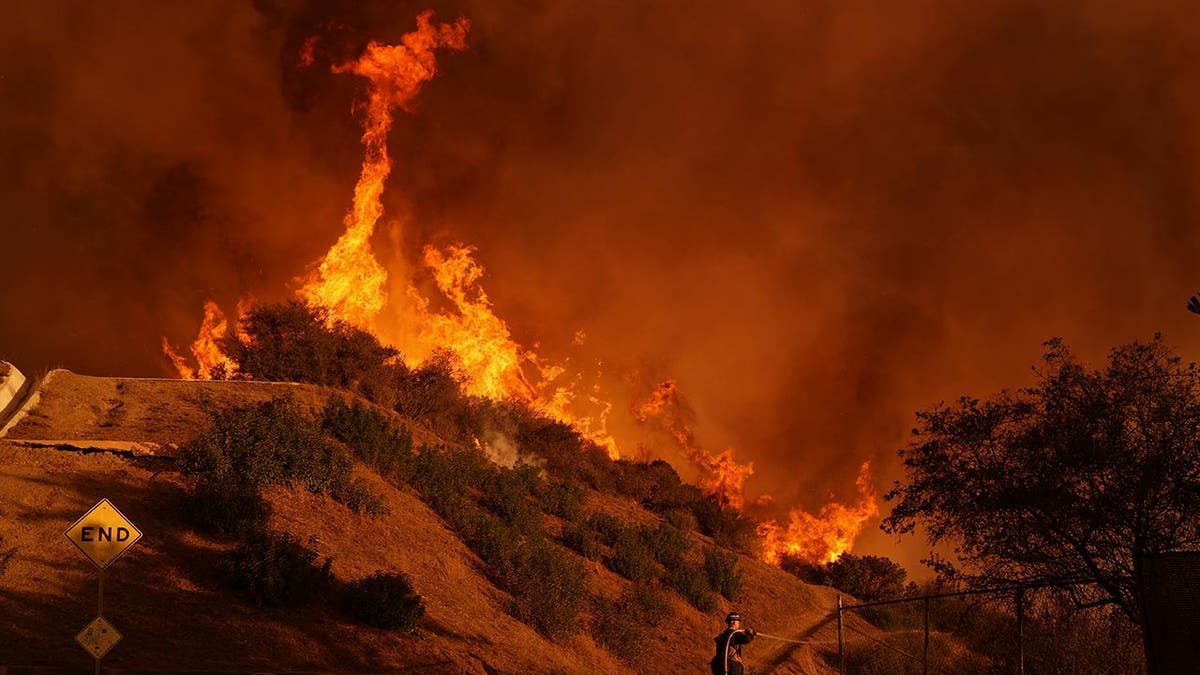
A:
x: 167, y: 599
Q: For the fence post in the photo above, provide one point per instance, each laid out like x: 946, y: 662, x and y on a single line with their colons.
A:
x: 841, y: 649
x: 1021, y: 631
x: 925, y: 656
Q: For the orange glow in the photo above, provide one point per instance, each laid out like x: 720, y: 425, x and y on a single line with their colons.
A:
x: 824, y: 537
x: 351, y: 285
x: 307, y: 56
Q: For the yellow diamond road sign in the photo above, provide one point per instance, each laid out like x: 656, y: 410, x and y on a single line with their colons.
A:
x: 103, y: 534
x: 98, y: 638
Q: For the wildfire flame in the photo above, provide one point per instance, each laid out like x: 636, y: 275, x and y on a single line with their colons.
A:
x: 211, y: 362
x: 350, y: 282
x: 481, y: 340
x: 721, y: 474
x: 825, y: 536
x: 352, y: 286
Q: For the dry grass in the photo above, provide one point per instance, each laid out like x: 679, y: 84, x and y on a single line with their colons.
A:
x: 167, y: 598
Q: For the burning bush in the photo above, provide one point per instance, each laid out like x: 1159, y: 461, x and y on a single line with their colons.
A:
x: 384, y: 600
x: 276, y: 570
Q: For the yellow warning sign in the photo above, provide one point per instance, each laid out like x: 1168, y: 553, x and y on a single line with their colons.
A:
x: 98, y: 638
x: 103, y: 534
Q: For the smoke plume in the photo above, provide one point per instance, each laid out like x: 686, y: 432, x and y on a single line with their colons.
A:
x: 814, y: 218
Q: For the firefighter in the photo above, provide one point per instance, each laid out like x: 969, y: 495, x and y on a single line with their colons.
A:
x: 728, y: 660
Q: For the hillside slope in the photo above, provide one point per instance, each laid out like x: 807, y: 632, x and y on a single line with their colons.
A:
x: 85, y: 438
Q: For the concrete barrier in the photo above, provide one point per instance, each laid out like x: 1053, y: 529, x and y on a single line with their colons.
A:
x: 12, y: 382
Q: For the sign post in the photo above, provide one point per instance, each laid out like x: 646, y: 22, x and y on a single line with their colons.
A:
x: 102, y: 534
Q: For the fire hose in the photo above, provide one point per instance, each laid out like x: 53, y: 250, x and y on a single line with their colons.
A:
x: 783, y: 639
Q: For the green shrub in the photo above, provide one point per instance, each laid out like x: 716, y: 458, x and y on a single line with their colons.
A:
x: 359, y: 498
x: 489, y: 537
x: 384, y: 600
x: 894, y: 617
x: 548, y: 587
x: 655, y: 485
x: 632, y: 558
x: 269, y: 443
x: 609, y: 527
x: 563, y: 498
x: 722, y: 571
x: 449, y: 473
x: 866, y: 577
x: 254, y: 446
x: 622, y: 625
x: 871, y: 658
x: 231, y: 507
x: 370, y: 436
x: 691, y: 583
x: 547, y: 584
x: 506, y: 494
x: 276, y: 570
x: 682, y: 519
x: 582, y: 539
x: 667, y: 544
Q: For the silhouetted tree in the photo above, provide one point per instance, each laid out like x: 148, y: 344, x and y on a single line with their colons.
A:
x: 434, y: 388
x: 1068, y: 481
x: 866, y: 577
x: 294, y: 342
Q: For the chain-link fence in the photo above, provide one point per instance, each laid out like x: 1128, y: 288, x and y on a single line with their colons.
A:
x: 1013, y: 629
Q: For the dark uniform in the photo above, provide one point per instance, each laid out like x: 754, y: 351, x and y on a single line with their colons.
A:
x: 728, y: 660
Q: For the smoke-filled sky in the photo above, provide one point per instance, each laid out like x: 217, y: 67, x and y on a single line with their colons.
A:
x: 818, y: 216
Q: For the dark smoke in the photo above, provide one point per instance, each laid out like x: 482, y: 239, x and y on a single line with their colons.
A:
x: 818, y: 217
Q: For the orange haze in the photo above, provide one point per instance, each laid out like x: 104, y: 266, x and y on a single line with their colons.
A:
x: 813, y: 219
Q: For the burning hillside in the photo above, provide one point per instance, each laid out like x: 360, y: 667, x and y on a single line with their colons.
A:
x: 352, y: 287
